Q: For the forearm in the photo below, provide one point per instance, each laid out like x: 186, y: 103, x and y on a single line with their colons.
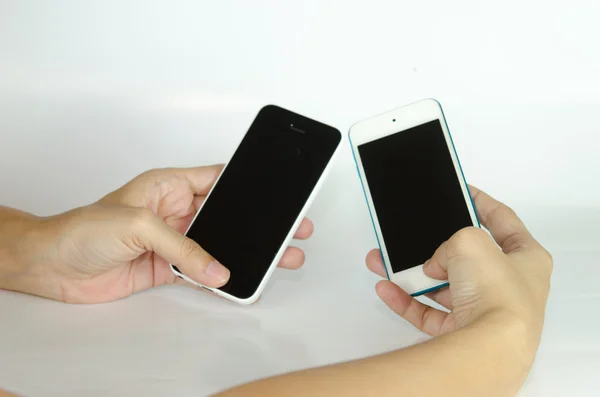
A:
x: 4, y: 393
x: 17, y: 244
x: 490, y: 358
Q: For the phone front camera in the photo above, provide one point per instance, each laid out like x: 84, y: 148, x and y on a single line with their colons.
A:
x: 394, y: 120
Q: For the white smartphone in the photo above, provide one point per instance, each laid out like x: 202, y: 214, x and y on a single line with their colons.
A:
x: 257, y: 204
x: 414, y: 186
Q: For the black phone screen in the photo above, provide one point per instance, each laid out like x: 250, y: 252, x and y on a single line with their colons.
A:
x: 416, y: 192
x: 261, y: 193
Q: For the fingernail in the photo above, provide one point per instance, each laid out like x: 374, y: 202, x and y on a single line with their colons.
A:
x: 217, y: 272
x: 426, y: 264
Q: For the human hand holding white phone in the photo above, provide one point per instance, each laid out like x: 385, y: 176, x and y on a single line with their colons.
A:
x: 258, y: 202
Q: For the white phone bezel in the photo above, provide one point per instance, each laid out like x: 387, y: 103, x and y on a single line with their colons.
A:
x: 412, y: 280
x: 284, y: 245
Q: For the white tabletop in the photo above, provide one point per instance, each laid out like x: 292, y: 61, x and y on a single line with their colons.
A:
x: 93, y: 93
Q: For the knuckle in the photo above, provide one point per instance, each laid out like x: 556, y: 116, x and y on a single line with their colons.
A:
x: 149, y: 178
x: 468, y: 235
x: 150, y: 174
x: 141, y: 217
x: 548, y: 260
x: 465, y: 240
x: 508, y: 211
x: 516, y: 241
x: 189, y: 248
x: 548, y: 255
x: 500, y: 212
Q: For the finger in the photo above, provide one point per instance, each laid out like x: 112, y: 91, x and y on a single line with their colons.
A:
x: 201, y: 179
x: 293, y: 258
x: 468, y: 244
x: 425, y: 318
x: 503, y: 223
x: 305, y: 230
x: 437, y: 266
x: 443, y: 297
x: 375, y: 263
x: 178, y: 250
x: 183, y: 224
x: 197, y: 203
x: 180, y: 224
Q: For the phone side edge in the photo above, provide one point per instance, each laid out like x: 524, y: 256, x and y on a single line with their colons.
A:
x: 362, y: 185
x: 429, y: 290
x: 462, y: 173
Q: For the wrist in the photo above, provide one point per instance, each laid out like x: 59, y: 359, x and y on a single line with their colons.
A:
x: 518, y: 336
x: 19, y: 249
x: 491, y: 356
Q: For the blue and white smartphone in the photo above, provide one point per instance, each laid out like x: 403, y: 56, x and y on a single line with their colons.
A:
x: 414, y: 186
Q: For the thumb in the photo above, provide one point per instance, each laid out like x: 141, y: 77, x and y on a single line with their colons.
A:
x: 180, y: 251
x: 437, y: 266
x: 469, y: 242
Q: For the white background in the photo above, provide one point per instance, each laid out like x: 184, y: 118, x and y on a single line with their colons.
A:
x: 93, y: 93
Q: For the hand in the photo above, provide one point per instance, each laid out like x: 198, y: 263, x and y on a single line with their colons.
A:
x: 497, y: 297
x: 483, y: 278
x: 124, y: 243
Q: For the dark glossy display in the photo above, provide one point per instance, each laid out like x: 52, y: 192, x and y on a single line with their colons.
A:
x: 416, y: 192
x: 261, y: 193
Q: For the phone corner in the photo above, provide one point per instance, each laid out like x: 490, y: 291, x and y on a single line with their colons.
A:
x: 349, y: 136
x: 352, y: 130
x: 174, y: 270
x: 250, y: 300
x: 433, y: 101
x: 268, y: 107
x: 339, y: 136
